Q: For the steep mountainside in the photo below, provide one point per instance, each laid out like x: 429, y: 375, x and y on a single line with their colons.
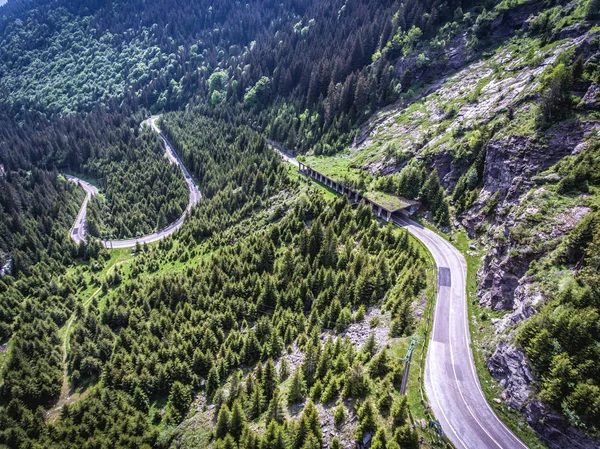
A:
x: 279, y: 316
x: 513, y: 132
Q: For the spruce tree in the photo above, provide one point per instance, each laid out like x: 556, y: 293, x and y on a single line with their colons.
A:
x: 212, y: 382
x: 309, y: 426
x: 140, y: 399
x: 399, y: 411
x: 269, y: 382
x: 275, y: 410
x: 367, y: 421
x: 284, y: 370
x: 226, y: 443
x: 249, y: 439
x: 274, y: 437
x: 339, y: 416
x: 311, y: 442
x: 379, y: 440
x: 237, y: 422
x: 180, y: 398
x: 297, y: 388
x: 256, y: 403
x: 370, y: 346
x: 223, y: 419
x: 406, y: 437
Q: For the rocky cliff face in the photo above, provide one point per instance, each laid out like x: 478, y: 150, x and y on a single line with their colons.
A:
x: 517, y: 235
x: 457, y: 53
x: 519, y: 231
x: 511, y: 167
x: 509, y: 366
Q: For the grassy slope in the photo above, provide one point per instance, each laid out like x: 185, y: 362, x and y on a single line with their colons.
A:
x: 344, y: 168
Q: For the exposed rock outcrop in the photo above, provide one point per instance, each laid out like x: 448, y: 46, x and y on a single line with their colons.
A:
x: 511, y: 174
x: 511, y: 166
x: 509, y: 366
x: 556, y: 431
x: 591, y: 98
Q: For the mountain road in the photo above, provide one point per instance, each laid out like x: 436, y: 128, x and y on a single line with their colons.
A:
x: 451, y: 382
x: 78, y: 232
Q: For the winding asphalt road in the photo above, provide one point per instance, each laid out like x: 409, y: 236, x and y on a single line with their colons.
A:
x: 79, y: 228
x: 451, y: 381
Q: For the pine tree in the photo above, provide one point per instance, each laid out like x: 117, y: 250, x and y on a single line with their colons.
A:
x: 268, y: 296
x: 315, y: 239
x: 251, y: 349
x: 140, y: 399
x: 379, y: 365
x: 379, y: 440
x: 284, y: 370
x: 248, y: 439
x: 259, y: 373
x: 237, y: 423
x: 226, y: 443
x: 212, y: 382
x: 297, y: 388
x: 161, y: 221
x: 267, y: 257
x: 308, y: 425
x: 317, y: 390
x: 309, y: 367
x: 259, y: 183
x: 223, y: 418
x: 399, y: 411
x: 339, y: 416
x: 275, y: 410
x: 356, y: 382
x: 274, y: 437
x: 180, y: 398
x: 367, y: 421
x: 269, y: 382
x: 311, y: 442
x: 256, y: 403
x: 286, y: 269
x: 431, y: 190
x: 361, y: 95
x: 406, y: 437
x: 370, y: 346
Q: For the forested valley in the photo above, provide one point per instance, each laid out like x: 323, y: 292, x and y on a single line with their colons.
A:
x: 325, y: 76
x: 308, y: 269
x: 279, y: 315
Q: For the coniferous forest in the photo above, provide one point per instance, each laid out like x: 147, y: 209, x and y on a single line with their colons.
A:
x: 309, y: 269
x: 279, y: 315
